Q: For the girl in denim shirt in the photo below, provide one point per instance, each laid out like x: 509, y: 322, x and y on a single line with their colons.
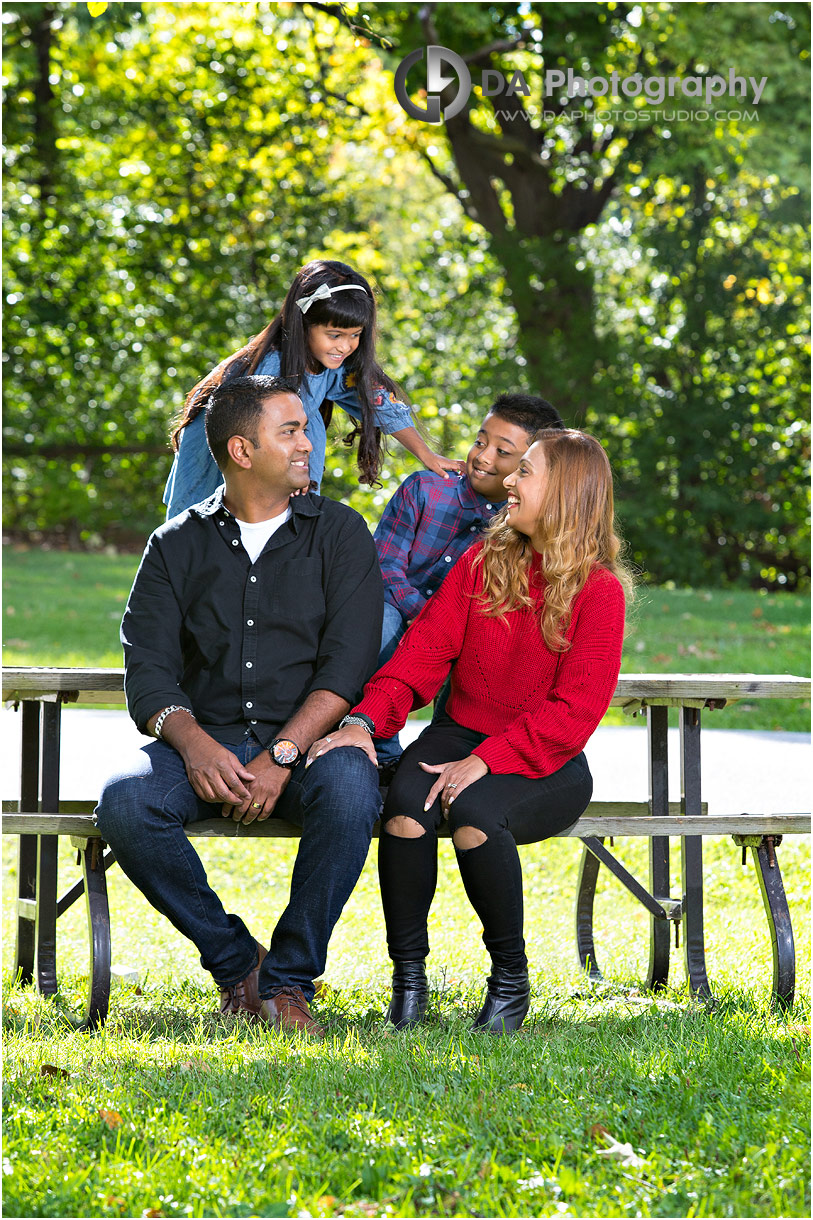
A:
x: 323, y: 337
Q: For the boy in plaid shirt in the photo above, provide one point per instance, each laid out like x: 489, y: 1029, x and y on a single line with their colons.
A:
x: 431, y: 521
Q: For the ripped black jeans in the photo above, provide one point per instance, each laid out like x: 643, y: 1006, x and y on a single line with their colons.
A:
x: 507, y: 809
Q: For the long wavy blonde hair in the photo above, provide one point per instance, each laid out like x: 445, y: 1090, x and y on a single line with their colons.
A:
x: 576, y: 527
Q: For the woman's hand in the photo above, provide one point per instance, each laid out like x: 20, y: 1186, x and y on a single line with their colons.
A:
x: 439, y: 464
x: 453, y: 777
x: 353, y: 735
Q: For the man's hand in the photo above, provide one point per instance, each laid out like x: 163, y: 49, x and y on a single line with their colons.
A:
x: 214, y: 772
x: 267, y: 786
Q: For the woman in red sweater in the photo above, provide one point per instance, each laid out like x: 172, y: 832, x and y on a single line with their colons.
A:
x: 532, y: 618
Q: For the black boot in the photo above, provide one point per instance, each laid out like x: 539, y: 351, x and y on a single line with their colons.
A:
x: 410, y: 994
x: 508, y: 1000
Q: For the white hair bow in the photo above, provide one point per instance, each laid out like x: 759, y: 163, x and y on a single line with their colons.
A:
x: 324, y: 292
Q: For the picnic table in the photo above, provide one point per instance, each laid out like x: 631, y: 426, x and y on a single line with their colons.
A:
x: 40, y: 819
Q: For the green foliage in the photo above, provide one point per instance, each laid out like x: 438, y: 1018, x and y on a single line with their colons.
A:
x: 169, y: 167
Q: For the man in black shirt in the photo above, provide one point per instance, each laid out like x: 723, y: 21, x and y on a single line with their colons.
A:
x: 251, y: 627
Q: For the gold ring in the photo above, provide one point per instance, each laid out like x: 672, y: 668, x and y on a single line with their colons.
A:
x: 256, y: 805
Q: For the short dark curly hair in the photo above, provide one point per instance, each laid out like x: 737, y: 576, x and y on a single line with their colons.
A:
x: 527, y: 411
x: 234, y: 409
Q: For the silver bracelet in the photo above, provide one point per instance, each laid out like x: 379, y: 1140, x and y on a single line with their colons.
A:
x: 360, y: 719
x: 175, y: 707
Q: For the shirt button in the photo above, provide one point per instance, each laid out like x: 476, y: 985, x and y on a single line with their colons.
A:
x: 447, y: 558
x: 249, y: 665
x: 473, y: 529
x: 221, y: 523
x: 253, y: 722
x: 489, y: 506
x: 235, y: 541
x: 253, y: 579
x: 249, y: 705
x: 249, y: 622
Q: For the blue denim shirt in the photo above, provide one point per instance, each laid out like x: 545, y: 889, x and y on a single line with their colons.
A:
x: 194, y: 474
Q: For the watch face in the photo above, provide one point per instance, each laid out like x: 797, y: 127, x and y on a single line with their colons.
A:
x: 285, y: 752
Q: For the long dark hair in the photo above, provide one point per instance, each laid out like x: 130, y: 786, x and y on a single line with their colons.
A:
x: 288, y: 334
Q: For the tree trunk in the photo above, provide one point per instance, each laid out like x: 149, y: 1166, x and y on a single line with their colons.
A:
x: 44, y: 118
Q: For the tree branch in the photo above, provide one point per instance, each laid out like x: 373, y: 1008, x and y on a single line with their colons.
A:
x: 450, y: 185
x: 73, y: 449
x: 340, y: 13
x: 494, y: 48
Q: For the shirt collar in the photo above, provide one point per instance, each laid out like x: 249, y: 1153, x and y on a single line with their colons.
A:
x: 472, y: 500
x: 301, y: 506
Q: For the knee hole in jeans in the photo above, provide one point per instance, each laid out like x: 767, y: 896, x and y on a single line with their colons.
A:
x: 468, y: 837
x: 404, y: 828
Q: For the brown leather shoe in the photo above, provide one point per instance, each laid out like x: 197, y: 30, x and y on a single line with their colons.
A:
x: 287, y: 1010
x: 243, y: 996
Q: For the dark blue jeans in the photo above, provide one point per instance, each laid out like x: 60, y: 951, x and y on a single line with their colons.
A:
x: 142, y: 813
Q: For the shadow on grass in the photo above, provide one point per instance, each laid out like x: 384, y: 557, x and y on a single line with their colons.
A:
x: 186, y: 1013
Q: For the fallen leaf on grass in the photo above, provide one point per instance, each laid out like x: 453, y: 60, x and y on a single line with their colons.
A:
x: 113, y: 1120
x: 599, y: 1134
x: 625, y: 1153
x: 195, y: 1065
x: 801, y: 1031
x: 114, y: 1201
x: 48, y: 1069
x: 154, y: 1211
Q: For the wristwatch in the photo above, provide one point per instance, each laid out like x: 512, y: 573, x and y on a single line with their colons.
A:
x: 284, y: 752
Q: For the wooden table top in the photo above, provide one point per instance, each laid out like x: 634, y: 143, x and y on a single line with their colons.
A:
x: 633, y: 690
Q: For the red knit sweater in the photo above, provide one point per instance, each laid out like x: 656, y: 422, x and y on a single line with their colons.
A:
x: 538, y: 707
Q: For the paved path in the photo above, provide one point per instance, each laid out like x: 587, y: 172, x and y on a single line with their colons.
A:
x: 743, y: 772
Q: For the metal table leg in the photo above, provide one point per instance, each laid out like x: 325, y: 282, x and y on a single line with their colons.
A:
x: 27, y: 870
x: 694, y: 948
x: 47, y: 846
x: 763, y: 849
x: 585, y: 894
x: 657, y: 719
x: 98, y: 913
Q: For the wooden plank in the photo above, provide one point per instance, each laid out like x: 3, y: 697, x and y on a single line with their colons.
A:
x: 596, y: 809
x: 638, y: 827
x: 106, y: 686
x: 711, y: 686
x: 74, y: 684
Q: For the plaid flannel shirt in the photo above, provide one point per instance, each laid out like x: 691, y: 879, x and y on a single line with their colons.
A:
x: 427, y: 525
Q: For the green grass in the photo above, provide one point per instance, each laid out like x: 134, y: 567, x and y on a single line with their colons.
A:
x: 65, y: 609
x: 170, y: 1111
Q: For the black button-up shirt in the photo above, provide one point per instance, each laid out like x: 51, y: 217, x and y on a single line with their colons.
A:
x: 243, y: 644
